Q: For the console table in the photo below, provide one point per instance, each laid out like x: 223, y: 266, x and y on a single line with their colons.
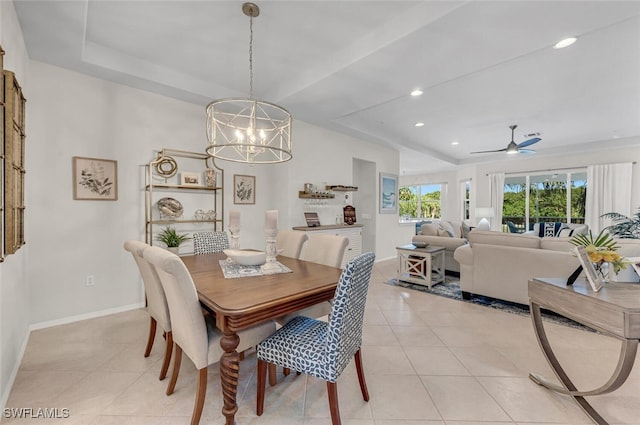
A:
x: 417, y: 265
x: 614, y: 311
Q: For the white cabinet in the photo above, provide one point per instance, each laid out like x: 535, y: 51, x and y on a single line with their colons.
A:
x: 353, y: 233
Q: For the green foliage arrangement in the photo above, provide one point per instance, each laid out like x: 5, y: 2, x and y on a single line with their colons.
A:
x: 624, y: 227
x: 171, y: 238
x: 601, y: 249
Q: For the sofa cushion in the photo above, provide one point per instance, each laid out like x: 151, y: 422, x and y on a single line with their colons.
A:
x: 557, y: 244
x: 445, y: 228
x: 505, y: 239
x: 429, y: 229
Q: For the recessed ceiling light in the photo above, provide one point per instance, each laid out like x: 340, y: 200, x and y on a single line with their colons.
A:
x: 416, y: 92
x: 565, y: 43
x: 419, y: 124
x: 455, y: 143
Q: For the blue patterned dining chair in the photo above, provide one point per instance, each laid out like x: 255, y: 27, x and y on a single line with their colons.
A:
x: 208, y: 242
x: 156, y: 302
x: 323, y: 349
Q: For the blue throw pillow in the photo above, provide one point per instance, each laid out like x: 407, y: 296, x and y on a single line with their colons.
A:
x: 549, y: 229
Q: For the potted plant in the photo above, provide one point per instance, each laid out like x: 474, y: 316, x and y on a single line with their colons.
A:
x: 602, y: 251
x: 171, y: 239
x: 624, y: 227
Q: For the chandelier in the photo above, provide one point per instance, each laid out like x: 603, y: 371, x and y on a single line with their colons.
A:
x: 246, y: 129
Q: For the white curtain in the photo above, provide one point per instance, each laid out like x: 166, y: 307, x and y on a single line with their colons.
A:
x: 497, y: 198
x: 608, y: 190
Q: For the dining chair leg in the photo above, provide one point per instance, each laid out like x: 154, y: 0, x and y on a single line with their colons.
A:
x: 261, y: 375
x: 332, y: 390
x: 286, y: 371
x: 360, y: 370
x: 177, y: 359
x: 272, y: 374
x: 152, y: 336
x: 201, y: 393
x: 167, y: 355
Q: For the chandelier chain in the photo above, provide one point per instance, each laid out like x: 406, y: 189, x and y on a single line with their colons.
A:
x: 251, y: 57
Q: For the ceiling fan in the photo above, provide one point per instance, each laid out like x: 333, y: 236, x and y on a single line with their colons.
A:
x: 514, y: 147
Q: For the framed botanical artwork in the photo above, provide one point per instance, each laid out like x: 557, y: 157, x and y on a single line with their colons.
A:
x: 388, y: 193
x: 190, y: 179
x: 244, y: 189
x: 95, y: 179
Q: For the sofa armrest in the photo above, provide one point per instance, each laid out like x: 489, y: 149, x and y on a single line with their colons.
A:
x: 464, y: 255
x: 449, y: 244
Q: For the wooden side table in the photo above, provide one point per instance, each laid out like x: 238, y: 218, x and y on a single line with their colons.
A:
x: 614, y: 311
x: 417, y: 265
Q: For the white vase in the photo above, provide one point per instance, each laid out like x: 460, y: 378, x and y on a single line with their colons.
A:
x: 173, y: 249
x: 624, y: 275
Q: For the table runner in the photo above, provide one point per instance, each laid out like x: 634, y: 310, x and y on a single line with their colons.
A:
x: 233, y: 270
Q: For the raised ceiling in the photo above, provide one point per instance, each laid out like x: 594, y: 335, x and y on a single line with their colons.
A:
x: 350, y: 66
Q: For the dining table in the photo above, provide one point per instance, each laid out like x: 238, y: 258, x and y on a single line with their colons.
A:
x: 241, y: 302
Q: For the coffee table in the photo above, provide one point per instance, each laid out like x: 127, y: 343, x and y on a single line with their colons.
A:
x: 613, y: 311
x: 423, y: 266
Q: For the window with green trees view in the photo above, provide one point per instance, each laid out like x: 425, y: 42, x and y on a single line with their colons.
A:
x: 420, y: 201
x: 546, y: 197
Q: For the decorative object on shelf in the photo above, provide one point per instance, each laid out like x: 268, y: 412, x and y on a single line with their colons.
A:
x: 190, y: 179
x: 388, y: 193
x: 248, y: 130
x: 210, y: 215
x: 312, y: 219
x: 171, y: 208
x: 199, y: 214
x: 485, y: 213
x: 601, y: 251
x: 341, y: 188
x: 165, y: 166
x: 172, y: 239
x: 95, y: 179
x: 234, y: 229
x: 309, y: 188
x: 315, y: 195
x: 244, y: 189
x: 270, y: 233
x: 210, y: 177
x: 349, y: 213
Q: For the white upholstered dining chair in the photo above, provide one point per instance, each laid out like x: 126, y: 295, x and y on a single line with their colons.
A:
x: 194, y: 333
x: 156, y: 302
x: 291, y: 242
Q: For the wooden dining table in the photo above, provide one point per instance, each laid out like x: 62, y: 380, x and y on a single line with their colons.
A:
x: 239, y: 303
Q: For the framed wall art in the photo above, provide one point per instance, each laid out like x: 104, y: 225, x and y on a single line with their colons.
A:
x: 95, y: 179
x: 595, y: 280
x: 190, y: 179
x: 388, y: 193
x: 244, y: 189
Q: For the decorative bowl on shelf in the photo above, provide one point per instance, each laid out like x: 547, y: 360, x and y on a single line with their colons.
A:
x: 247, y: 257
x: 170, y: 207
x: 420, y: 244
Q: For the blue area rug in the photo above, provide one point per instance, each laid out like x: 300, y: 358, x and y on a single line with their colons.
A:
x: 451, y: 289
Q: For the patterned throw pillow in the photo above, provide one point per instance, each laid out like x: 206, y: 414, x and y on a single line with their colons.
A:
x: 549, y: 229
x: 565, y: 232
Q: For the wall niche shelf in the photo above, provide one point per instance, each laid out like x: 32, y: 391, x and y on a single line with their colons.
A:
x: 317, y: 195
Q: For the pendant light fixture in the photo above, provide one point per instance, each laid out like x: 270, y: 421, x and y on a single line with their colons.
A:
x: 248, y: 130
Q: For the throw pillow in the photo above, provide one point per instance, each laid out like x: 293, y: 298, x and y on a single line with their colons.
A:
x: 565, y: 232
x: 445, y: 229
x: 464, y: 230
x: 429, y: 229
x: 549, y: 229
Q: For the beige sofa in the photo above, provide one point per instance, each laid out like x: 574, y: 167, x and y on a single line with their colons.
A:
x: 499, y: 265
x: 446, y: 234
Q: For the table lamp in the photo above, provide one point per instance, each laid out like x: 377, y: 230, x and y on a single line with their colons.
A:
x: 484, y: 213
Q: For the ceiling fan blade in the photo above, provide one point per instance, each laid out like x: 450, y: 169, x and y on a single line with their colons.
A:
x: 526, y: 151
x: 499, y: 150
x: 529, y: 142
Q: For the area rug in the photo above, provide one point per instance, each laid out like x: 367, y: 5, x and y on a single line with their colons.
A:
x: 451, y: 289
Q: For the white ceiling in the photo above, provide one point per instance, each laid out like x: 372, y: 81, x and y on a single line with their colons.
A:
x: 350, y: 65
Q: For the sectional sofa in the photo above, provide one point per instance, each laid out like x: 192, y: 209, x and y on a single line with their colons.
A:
x: 499, y: 265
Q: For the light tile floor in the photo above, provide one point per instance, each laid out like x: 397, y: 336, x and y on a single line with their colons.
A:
x: 428, y: 360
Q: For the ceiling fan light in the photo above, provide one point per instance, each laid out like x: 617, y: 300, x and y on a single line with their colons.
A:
x: 565, y: 43
x: 511, y: 150
x: 419, y: 124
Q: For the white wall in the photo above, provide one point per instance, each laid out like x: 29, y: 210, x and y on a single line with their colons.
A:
x: 14, y: 288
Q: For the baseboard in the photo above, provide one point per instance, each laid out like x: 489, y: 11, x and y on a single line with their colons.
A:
x: 92, y: 315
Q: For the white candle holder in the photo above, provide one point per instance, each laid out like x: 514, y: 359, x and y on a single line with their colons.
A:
x: 271, y: 250
x: 234, y: 243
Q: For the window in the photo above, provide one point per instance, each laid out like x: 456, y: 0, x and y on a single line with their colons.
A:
x: 537, y: 198
x: 421, y: 201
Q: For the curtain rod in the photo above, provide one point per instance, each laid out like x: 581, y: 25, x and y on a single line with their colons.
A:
x: 559, y: 169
